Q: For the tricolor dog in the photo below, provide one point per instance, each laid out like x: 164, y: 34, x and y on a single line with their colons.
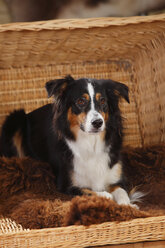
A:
x: 79, y: 135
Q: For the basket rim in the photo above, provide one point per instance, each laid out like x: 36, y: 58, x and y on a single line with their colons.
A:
x: 69, y: 24
x: 133, y: 222
x: 146, y: 229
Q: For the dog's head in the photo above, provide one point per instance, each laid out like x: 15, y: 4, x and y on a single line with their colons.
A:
x: 86, y: 104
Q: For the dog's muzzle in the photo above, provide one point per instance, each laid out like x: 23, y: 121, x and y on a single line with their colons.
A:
x: 94, y: 122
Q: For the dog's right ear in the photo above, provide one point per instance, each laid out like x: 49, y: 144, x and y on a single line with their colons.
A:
x: 56, y: 87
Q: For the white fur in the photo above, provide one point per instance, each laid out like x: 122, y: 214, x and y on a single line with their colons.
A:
x: 90, y: 163
x: 91, y: 169
x: 105, y: 194
x: 92, y: 115
x: 91, y: 94
x: 121, y: 196
x: 136, y: 196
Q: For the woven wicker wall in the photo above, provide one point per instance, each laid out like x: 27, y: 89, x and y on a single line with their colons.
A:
x: 24, y: 88
x: 128, y: 50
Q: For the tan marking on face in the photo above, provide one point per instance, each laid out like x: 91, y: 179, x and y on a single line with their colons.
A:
x: 86, y: 96
x: 102, y: 135
x: 75, y: 121
x: 98, y: 95
x: 17, y: 140
x: 105, y: 115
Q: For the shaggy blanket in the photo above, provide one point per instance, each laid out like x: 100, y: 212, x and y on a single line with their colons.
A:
x: 28, y: 194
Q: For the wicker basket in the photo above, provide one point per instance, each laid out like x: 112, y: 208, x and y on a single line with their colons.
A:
x: 130, y: 50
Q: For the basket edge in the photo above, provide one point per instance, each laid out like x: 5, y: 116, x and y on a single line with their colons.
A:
x: 80, y: 23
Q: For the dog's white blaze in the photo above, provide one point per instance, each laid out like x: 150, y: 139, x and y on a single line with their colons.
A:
x: 91, y: 94
x: 92, y: 115
x: 90, y: 163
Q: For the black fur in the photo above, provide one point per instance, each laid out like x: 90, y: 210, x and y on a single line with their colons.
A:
x: 14, y: 122
x: 44, y: 130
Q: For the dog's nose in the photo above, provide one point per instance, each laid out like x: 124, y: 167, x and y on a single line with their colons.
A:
x: 97, y: 123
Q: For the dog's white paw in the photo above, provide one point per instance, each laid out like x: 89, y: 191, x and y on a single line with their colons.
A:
x: 105, y: 194
x: 121, y: 197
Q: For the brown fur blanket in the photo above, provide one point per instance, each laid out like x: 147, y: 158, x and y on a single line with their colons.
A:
x: 28, y: 194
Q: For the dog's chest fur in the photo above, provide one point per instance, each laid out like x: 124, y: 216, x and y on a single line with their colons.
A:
x: 91, y: 163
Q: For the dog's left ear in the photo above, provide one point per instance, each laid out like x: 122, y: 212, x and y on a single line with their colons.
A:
x: 56, y: 87
x: 118, y: 89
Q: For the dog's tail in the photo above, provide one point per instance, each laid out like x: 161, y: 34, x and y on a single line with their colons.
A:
x: 136, y: 196
x: 12, y: 134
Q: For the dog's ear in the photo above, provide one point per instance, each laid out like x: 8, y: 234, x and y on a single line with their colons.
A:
x: 56, y: 87
x: 119, y: 89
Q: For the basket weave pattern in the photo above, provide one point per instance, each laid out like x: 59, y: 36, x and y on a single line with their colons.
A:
x: 129, y: 50
x: 80, y: 236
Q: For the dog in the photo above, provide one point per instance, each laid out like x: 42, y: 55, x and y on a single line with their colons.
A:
x: 80, y: 135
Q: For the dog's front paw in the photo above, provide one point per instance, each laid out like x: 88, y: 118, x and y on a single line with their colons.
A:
x: 105, y: 194
x: 121, y: 197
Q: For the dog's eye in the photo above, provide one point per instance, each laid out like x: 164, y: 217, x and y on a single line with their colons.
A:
x: 102, y: 101
x: 81, y: 102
